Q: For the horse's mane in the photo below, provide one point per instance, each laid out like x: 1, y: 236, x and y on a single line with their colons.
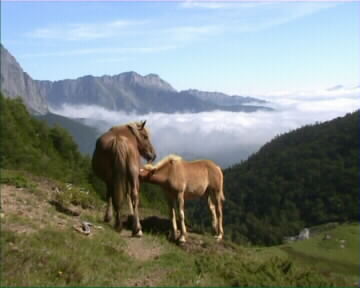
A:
x: 163, y: 161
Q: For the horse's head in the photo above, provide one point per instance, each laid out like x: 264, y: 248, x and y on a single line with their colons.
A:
x: 142, y: 136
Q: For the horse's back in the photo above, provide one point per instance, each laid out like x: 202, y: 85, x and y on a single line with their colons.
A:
x: 102, y: 156
x: 201, y: 175
x: 113, y: 144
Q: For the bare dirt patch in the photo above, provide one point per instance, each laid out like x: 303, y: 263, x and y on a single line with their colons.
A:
x: 140, y: 248
x: 24, y: 211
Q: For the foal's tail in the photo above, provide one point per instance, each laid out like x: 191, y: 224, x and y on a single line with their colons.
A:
x: 222, y: 196
x: 120, y: 153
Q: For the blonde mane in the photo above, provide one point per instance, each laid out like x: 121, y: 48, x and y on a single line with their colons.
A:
x: 163, y: 161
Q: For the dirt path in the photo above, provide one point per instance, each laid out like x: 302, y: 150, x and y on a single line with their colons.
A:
x: 141, y: 248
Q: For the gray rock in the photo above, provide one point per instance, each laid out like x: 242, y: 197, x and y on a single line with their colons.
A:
x: 17, y: 83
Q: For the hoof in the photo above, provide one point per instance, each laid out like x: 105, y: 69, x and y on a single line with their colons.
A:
x: 173, y: 236
x: 182, y: 239
x: 218, y: 238
x: 118, y: 228
x: 138, y: 234
x: 107, y: 218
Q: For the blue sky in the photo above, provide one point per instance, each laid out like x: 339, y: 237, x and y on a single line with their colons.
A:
x: 238, y: 48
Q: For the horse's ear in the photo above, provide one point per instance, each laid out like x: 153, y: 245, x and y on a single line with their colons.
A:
x: 142, y: 125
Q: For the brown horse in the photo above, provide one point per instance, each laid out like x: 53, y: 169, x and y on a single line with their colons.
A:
x: 116, y: 160
x: 182, y: 180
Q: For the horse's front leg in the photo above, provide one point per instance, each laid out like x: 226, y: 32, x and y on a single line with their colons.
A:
x: 212, y: 209
x: 172, y: 212
x: 135, y: 202
x: 219, y: 214
x: 180, y: 199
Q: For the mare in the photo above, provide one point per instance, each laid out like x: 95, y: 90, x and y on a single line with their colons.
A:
x: 116, y: 160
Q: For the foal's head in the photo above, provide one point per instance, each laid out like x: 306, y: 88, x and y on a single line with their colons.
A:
x: 149, y: 170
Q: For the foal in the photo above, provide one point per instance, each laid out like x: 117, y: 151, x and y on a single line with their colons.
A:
x: 182, y: 180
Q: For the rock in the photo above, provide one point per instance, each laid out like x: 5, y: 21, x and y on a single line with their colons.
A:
x: 327, y: 237
x: 304, y: 234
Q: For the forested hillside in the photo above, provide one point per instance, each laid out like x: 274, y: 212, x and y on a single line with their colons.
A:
x: 305, y: 177
x: 85, y: 136
x: 29, y: 144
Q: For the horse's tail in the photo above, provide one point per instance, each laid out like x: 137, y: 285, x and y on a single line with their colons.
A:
x: 120, y: 153
x: 222, y: 196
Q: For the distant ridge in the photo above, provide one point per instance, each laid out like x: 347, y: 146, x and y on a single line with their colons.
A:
x: 128, y: 92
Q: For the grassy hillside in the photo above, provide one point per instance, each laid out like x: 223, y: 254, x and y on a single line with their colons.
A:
x: 339, y: 252
x: 306, y: 177
x: 40, y: 238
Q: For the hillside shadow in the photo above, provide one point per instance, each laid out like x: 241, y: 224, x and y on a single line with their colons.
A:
x: 151, y: 224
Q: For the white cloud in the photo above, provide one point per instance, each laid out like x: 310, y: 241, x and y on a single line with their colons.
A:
x: 101, y: 50
x: 226, y: 137
x: 84, y: 31
x: 206, y: 5
x: 255, y: 16
x: 191, y: 33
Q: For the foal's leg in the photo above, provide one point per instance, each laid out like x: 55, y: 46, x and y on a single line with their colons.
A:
x: 108, y: 211
x: 213, y: 214
x: 182, y: 217
x: 172, y: 206
x: 219, y: 214
x: 135, y: 201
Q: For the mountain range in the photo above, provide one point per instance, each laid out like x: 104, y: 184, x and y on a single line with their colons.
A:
x: 128, y: 91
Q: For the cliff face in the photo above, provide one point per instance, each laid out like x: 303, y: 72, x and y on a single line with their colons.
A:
x: 17, y: 83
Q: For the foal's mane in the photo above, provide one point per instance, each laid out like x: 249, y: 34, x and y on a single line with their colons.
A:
x: 164, y: 161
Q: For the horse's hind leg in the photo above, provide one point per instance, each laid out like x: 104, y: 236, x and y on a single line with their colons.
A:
x: 108, y: 211
x: 212, y: 208
x: 116, y: 201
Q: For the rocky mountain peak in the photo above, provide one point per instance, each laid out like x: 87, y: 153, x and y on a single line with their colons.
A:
x: 16, y: 83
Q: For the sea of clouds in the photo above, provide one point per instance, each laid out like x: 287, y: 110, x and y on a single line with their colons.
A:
x: 226, y: 137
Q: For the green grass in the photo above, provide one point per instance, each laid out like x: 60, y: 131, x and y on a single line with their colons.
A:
x: 55, y: 258
x: 77, y: 196
x: 17, y: 179
x: 66, y: 258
